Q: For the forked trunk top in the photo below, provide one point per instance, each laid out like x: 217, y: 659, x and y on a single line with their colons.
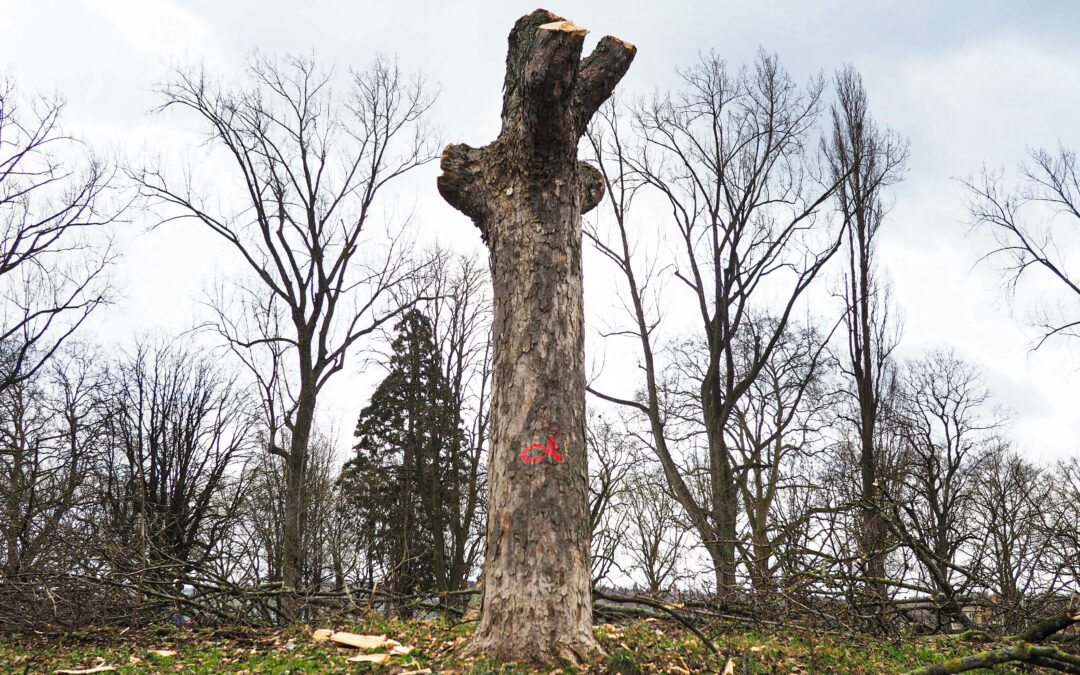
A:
x: 549, y: 96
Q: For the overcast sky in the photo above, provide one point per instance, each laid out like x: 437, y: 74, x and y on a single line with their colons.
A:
x: 967, y: 82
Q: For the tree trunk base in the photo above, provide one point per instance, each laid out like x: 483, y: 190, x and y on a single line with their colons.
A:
x: 526, y: 647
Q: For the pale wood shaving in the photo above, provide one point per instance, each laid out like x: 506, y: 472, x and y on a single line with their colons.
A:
x: 369, y: 658
x: 359, y: 641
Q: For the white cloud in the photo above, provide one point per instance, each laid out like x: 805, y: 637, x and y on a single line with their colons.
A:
x: 156, y: 27
x: 993, y: 95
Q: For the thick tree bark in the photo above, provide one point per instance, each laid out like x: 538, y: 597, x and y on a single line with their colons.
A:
x: 724, y: 504
x: 867, y: 382
x: 292, y: 565
x: 526, y: 192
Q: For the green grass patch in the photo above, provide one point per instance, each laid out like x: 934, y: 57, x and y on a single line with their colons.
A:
x: 634, y: 648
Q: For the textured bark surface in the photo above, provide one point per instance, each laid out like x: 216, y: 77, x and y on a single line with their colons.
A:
x: 295, y: 478
x: 526, y: 192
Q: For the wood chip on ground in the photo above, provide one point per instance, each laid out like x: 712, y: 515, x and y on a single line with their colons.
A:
x: 369, y: 658
x: 359, y: 641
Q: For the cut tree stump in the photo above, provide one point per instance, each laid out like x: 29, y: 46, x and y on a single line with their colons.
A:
x: 526, y: 192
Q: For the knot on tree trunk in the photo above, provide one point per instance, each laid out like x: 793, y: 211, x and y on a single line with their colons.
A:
x: 591, y: 186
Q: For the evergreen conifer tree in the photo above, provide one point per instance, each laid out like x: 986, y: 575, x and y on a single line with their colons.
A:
x: 404, y: 482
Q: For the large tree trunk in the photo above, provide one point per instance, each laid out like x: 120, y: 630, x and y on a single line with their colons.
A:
x: 867, y: 382
x: 723, y: 497
x: 873, y: 535
x: 292, y: 565
x: 526, y: 192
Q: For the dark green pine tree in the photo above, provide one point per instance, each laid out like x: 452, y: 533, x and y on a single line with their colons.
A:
x: 404, y: 481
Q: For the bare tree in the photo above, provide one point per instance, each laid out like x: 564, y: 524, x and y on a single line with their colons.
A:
x: 612, y: 455
x: 178, y: 427
x: 778, y: 430
x: 526, y: 192
x: 54, y: 250
x: 1061, y: 526
x: 834, y: 560
x: 1008, y: 503
x: 949, y: 424
x: 306, y: 167
x: 50, y: 441
x: 865, y: 160
x: 326, y: 562
x: 657, y: 534
x: 728, y: 155
x: 1034, y: 224
x: 260, y: 531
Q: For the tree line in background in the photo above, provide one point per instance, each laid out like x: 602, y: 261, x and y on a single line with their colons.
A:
x: 764, y: 461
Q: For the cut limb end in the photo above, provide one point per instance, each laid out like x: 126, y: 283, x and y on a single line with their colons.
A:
x: 462, y: 181
x: 564, y: 26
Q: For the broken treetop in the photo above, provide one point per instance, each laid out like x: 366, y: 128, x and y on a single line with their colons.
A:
x: 549, y: 96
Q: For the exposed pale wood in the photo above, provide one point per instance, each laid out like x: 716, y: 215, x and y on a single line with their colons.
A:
x: 359, y: 641
x: 565, y: 26
x: 369, y: 658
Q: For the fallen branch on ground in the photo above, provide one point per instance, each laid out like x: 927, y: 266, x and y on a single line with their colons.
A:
x: 1022, y: 651
x: 670, y: 611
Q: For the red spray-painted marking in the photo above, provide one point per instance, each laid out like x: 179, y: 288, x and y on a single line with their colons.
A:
x: 552, y: 449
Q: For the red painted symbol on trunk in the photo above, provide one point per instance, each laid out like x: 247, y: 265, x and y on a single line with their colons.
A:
x: 552, y: 448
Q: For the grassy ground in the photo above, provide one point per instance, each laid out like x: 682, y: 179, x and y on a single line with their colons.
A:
x: 639, y: 647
